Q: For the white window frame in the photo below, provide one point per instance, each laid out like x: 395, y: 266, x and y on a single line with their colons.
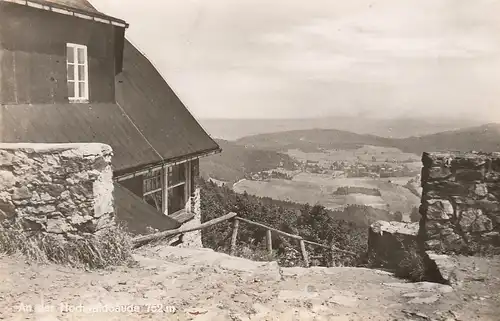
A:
x: 76, y: 81
x: 166, y: 187
x: 186, y: 183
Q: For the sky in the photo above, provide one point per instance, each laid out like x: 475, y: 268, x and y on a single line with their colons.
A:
x: 318, y: 58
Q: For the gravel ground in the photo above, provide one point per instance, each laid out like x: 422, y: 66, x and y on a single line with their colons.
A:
x: 171, y: 283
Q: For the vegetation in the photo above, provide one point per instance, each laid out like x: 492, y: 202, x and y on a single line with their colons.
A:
x: 108, y: 249
x: 346, y: 190
x: 412, y: 266
x: 236, y: 161
x: 314, y: 223
x: 269, y: 175
x: 361, y: 215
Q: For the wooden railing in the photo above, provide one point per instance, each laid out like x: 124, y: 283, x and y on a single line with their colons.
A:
x: 142, y: 240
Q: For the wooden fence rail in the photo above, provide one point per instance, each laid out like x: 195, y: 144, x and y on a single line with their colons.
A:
x: 142, y: 240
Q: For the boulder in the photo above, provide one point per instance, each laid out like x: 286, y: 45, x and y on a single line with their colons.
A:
x: 388, y: 241
x: 444, y: 268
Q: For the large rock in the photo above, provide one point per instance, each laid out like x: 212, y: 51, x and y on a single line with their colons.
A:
x: 438, y: 209
x: 388, y: 241
x: 444, y: 268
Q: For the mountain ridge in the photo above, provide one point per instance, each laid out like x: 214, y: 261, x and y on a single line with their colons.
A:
x: 232, y: 129
x: 485, y: 138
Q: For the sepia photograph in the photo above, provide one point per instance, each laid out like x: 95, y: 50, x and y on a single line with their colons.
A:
x: 250, y: 160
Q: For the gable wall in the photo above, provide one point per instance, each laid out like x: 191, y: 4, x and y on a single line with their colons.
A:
x: 33, y: 55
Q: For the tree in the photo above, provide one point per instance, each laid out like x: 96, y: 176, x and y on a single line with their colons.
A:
x: 398, y: 216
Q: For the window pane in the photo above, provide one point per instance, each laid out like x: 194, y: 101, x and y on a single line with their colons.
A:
x: 71, y: 72
x: 81, y: 72
x: 81, y: 55
x: 152, y: 181
x: 81, y: 88
x: 176, y: 174
x: 71, y: 89
x: 70, y: 54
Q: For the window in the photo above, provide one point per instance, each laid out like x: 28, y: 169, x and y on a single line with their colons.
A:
x: 152, y: 189
x: 77, y: 68
x: 176, y: 187
x: 169, y: 189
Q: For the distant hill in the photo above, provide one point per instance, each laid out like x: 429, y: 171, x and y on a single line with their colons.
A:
x: 312, y: 140
x: 236, y: 160
x: 232, y: 129
x: 484, y: 138
x: 264, y: 151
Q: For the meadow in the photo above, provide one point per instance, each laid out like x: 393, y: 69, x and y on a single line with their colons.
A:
x: 319, y: 188
x: 367, y: 154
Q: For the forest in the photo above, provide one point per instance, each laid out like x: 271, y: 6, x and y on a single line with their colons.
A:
x: 313, y: 223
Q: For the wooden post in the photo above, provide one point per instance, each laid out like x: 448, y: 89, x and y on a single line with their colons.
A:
x: 304, y: 252
x: 236, y: 223
x: 164, y: 201
x: 269, y: 242
x: 332, y: 253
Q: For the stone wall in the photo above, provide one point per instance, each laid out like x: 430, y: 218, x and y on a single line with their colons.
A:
x: 60, y: 189
x: 460, y: 203
x: 193, y: 239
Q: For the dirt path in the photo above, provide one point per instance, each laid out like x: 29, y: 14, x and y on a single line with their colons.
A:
x: 204, y: 285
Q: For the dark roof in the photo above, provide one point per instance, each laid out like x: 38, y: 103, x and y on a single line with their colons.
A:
x: 77, y: 123
x: 78, y: 6
x: 75, y: 4
x: 157, y: 111
x: 137, y: 215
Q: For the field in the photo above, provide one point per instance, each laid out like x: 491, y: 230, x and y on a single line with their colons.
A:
x: 319, y: 188
x: 364, y: 154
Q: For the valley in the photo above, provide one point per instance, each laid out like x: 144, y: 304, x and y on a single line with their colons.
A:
x: 336, y: 168
x: 319, y: 183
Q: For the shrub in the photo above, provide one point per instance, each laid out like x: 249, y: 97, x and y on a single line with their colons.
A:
x: 398, y: 216
x: 112, y: 247
x: 255, y: 253
x: 412, y: 265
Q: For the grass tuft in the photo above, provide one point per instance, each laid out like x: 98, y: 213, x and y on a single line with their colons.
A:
x: 412, y: 266
x: 108, y: 248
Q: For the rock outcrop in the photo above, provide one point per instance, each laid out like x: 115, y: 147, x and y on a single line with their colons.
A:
x: 59, y: 189
x: 461, y: 202
x: 388, y: 242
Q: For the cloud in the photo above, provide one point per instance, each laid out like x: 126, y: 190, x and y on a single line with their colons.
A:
x: 255, y: 58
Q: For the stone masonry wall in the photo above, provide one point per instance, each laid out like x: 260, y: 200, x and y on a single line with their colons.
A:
x: 193, y: 239
x: 460, y: 202
x: 63, y: 189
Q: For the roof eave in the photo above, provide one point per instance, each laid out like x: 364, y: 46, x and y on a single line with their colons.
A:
x: 71, y: 11
x: 141, y: 169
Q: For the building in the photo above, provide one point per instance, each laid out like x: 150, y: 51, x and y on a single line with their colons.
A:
x: 69, y: 75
